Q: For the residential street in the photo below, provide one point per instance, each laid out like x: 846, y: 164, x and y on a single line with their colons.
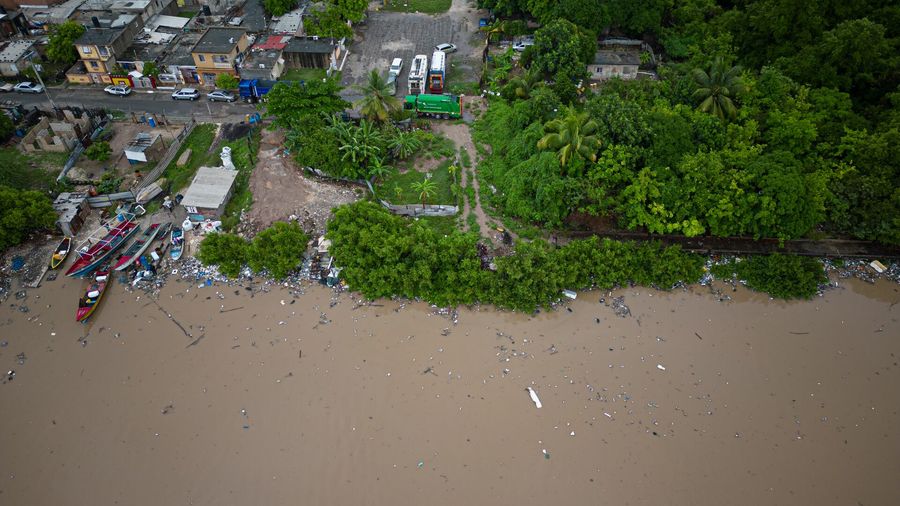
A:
x: 139, y: 102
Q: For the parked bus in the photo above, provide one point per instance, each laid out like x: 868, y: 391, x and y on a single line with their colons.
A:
x: 437, y: 72
x: 417, y: 72
x: 438, y: 106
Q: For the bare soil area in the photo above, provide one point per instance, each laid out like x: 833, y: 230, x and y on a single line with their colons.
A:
x: 281, y: 191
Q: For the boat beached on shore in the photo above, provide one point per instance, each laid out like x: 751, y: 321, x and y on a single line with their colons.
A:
x: 137, y: 248
x: 94, y: 251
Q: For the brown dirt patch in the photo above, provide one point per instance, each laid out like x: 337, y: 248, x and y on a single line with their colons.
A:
x: 281, y: 191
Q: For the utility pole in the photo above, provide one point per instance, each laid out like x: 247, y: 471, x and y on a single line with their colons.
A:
x: 30, y: 57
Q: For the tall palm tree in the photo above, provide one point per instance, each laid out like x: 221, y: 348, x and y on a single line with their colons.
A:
x: 377, y: 102
x: 522, y: 86
x: 571, y: 136
x: 717, y: 88
x: 425, y: 188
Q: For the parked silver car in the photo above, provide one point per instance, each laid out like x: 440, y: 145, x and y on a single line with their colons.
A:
x: 446, y: 48
x: 221, y: 96
x: 29, y: 87
x: 186, y: 94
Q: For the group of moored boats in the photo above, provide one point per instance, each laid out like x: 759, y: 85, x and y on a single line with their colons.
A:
x: 94, y: 258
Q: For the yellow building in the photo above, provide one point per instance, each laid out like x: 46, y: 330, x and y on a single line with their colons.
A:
x: 97, y: 48
x: 218, y: 52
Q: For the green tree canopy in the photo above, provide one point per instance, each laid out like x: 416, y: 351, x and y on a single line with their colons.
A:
x: 717, y: 88
x: 278, y: 249
x: 279, y: 7
x: 572, y: 135
x: 226, y: 82
x: 61, y: 48
x: 23, y: 212
x: 561, y: 52
x: 290, y: 101
x: 377, y: 102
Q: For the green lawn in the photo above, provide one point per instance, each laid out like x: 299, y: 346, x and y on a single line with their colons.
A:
x: 244, y: 155
x: 199, y: 142
x: 187, y: 14
x: 426, y: 6
x: 440, y: 176
x: 309, y: 74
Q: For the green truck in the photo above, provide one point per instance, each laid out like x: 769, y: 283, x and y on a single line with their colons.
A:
x: 438, y: 106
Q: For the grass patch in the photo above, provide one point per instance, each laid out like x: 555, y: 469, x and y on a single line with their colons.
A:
x: 426, y: 6
x: 472, y: 220
x: 199, y: 142
x: 187, y: 14
x: 440, y: 175
x: 306, y: 74
x: 443, y: 225
x: 464, y: 159
x: 244, y: 157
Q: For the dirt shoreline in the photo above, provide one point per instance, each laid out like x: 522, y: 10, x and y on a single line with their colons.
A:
x: 320, y: 400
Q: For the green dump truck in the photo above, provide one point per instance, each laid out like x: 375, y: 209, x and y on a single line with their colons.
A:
x: 438, y: 106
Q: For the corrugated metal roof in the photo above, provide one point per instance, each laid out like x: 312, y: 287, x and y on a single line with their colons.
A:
x: 209, y: 187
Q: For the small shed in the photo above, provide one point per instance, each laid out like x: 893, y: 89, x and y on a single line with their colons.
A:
x: 209, y: 191
x: 312, y: 52
x: 608, y: 64
x: 72, y: 210
x: 144, y: 147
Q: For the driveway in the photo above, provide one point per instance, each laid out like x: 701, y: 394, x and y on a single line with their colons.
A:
x: 389, y: 35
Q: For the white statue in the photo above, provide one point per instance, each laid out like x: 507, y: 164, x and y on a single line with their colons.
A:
x: 226, y: 159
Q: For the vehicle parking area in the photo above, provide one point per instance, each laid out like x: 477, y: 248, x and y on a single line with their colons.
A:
x: 389, y: 35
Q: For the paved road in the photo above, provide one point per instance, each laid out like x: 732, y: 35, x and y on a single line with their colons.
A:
x: 139, y: 102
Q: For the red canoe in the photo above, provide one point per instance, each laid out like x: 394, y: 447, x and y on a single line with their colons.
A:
x: 137, y: 248
x: 91, y: 255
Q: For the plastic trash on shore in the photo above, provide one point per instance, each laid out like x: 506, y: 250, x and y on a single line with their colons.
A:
x: 534, y: 397
x: 570, y: 294
x: 878, y: 266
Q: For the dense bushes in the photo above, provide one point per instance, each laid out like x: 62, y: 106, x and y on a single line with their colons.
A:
x: 278, y: 250
x: 385, y: 255
x: 781, y: 276
x: 22, y: 212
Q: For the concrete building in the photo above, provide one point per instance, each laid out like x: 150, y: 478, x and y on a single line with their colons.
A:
x: 44, y: 15
x: 219, y: 51
x: 56, y: 136
x: 266, y: 64
x: 209, y: 192
x: 72, y: 209
x: 14, y: 56
x: 12, y: 24
x: 98, y: 48
x: 608, y: 64
x: 178, y: 65
x: 144, y: 9
x: 312, y: 52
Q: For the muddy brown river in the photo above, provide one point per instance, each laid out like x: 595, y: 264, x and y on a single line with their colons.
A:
x: 319, y: 401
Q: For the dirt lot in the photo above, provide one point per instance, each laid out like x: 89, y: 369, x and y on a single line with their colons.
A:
x: 281, y: 191
x: 123, y: 133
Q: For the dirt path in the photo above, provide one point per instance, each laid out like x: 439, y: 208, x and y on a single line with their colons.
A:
x: 461, y: 136
x: 280, y: 190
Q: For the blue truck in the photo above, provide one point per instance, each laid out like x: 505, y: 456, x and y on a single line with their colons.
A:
x: 252, y: 90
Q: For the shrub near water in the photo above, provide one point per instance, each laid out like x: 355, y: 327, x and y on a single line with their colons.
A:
x: 781, y: 276
x: 278, y: 249
x: 385, y: 255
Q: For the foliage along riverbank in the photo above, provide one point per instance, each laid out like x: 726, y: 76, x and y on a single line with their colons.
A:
x: 385, y: 255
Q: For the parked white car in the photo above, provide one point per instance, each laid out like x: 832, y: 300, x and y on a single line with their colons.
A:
x: 446, y: 48
x: 119, y: 90
x: 186, y: 94
x: 396, y: 67
x: 520, y: 45
x: 29, y: 87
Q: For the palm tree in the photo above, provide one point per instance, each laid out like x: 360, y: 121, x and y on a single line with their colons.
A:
x: 377, y: 170
x: 570, y: 136
x: 404, y: 144
x: 363, y: 145
x: 377, y: 103
x: 522, y: 86
x: 716, y: 89
x: 425, y: 188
